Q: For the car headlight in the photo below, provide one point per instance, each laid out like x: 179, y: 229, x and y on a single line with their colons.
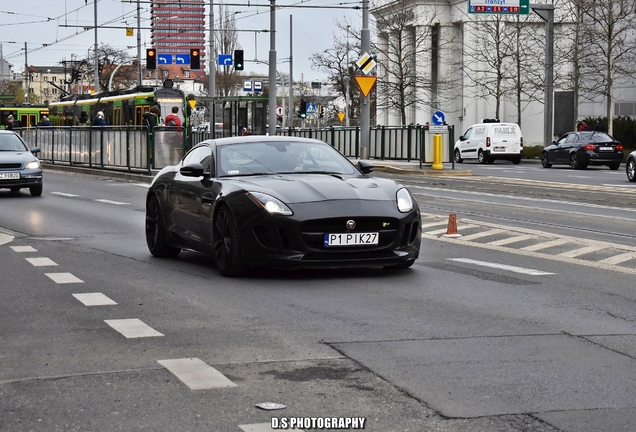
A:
x: 32, y: 165
x: 404, y: 201
x: 269, y: 203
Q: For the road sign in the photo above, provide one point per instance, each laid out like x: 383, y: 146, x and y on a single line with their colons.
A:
x: 437, y: 129
x: 164, y: 58
x: 366, y: 84
x: 311, y: 108
x: 130, y: 31
x: 280, y: 111
x: 512, y: 7
x: 341, y: 116
x: 438, y: 118
x: 258, y: 86
x: 183, y: 59
x: 225, y: 59
x: 247, y: 85
x: 366, y: 63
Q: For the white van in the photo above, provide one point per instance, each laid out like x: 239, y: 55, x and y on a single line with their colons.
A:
x: 489, y: 141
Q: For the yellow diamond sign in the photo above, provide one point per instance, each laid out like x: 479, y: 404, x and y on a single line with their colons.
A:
x: 366, y: 84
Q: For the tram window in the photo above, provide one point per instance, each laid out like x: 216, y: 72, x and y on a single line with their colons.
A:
x: 24, y: 120
x: 117, y: 117
x: 33, y: 120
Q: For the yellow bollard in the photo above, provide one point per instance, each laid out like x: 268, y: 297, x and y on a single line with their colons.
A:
x: 437, y: 152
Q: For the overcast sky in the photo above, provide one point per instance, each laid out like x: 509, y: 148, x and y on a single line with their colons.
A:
x: 46, y: 27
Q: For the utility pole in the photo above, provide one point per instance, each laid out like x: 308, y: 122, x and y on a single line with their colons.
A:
x: 291, y: 77
x: 212, y: 72
x: 546, y: 12
x: 138, y: 47
x: 272, y: 68
x: 27, y: 78
x: 96, y: 54
x: 365, y: 108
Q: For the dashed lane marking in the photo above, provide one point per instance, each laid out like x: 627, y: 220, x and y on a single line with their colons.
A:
x: 133, y: 328
x: 41, y: 262
x: 64, y: 278
x: 94, y: 299
x: 112, y: 202
x: 23, y: 249
x: 64, y: 194
x: 196, y: 374
x: 514, y: 269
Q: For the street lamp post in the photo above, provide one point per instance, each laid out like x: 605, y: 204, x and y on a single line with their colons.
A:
x: 347, y: 123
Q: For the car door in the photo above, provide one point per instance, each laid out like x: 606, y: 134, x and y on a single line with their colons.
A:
x: 464, y: 144
x: 186, y: 192
x: 561, y: 154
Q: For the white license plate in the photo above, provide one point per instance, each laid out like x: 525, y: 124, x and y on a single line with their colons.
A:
x: 606, y: 148
x: 351, y: 239
x: 499, y: 149
x: 9, y: 176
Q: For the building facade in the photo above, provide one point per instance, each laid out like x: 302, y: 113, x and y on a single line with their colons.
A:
x: 177, y: 27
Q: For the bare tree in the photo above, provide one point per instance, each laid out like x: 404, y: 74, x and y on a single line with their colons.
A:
x: 607, y: 37
x: 226, y: 41
x: 109, y: 58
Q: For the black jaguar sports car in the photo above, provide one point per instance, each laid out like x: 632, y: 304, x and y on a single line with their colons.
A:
x: 280, y: 202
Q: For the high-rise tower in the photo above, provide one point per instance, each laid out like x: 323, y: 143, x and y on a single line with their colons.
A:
x: 178, y: 26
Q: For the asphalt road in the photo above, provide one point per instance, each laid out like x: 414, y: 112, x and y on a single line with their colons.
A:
x: 490, y: 331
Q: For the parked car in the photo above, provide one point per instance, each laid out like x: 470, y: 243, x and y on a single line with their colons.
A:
x: 489, y: 141
x: 581, y: 149
x: 630, y: 166
x: 281, y: 202
x: 19, y: 167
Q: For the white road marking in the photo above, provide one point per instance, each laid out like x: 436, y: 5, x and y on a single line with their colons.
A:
x: 432, y: 224
x: 4, y: 239
x: 64, y: 194
x: 63, y: 278
x: 112, y: 202
x: 582, y: 251
x: 41, y: 262
x: 196, y: 374
x: 484, y: 234
x: 617, y: 259
x: 545, y: 245
x: 94, y: 299
x: 582, y: 177
x: 21, y: 249
x: 502, y: 267
x: 443, y: 231
x: 260, y: 427
x: 619, y: 185
x: 133, y: 328
x: 509, y: 240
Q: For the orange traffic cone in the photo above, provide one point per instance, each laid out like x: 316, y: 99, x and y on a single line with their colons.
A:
x: 451, y: 229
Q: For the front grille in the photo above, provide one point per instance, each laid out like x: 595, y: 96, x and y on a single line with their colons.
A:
x: 313, y: 232
x: 10, y: 166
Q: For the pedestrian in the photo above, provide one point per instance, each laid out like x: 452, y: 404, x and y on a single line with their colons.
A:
x: 248, y: 131
x: 83, y: 119
x: 243, y: 132
x: 173, y: 119
x: 150, y: 117
x: 45, y: 122
x: 584, y: 126
x: 99, y: 119
x: 13, y: 123
x: 599, y: 126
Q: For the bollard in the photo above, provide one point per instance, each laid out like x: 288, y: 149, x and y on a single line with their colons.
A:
x: 437, y: 152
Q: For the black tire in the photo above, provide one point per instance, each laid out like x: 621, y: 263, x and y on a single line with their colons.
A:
x: 575, y: 163
x: 516, y: 160
x: 614, y: 166
x: 227, y: 248
x: 458, y: 156
x: 156, y: 238
x: 481, y: 157
x: 35, y: 190
x: 630, y: 169
x: 544, y: 160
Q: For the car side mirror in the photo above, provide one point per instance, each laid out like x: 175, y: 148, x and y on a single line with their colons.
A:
x: 192, y: 170
x: 554, y: 143
x: 462, y: 138
x: 365, y: 166
x: 35, y: 150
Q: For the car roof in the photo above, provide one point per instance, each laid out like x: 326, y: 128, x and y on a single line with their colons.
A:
x: 262, y: 138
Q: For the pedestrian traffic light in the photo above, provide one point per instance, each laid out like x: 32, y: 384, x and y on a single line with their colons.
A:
x: 151, y: 59
x: 302, y: 111
x: 238, y: 59
x: 195, y: 58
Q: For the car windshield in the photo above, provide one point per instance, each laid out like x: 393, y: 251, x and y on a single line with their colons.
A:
x: 273, y: 157
x: 596, y: 137
x: 11, y: 142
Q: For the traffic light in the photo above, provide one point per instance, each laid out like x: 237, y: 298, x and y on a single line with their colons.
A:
x: 151, y: 59
x: 195, y: 58
x: 322, y: 111
x: 302, y: 111
x: 238, y: 59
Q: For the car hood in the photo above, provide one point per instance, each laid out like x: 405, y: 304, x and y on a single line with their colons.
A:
x: 299, y: 188
x: 15, y: 157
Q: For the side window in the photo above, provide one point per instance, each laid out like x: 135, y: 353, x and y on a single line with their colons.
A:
x: 562, y: 140
x: 202, y: 155
x: 468, y: 132
x: 571, y: 138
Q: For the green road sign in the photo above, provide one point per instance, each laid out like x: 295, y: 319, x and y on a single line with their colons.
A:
x: 506, y: 7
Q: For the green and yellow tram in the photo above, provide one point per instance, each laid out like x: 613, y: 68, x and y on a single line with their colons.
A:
x: 120, y: 107
x: 28, y: 115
